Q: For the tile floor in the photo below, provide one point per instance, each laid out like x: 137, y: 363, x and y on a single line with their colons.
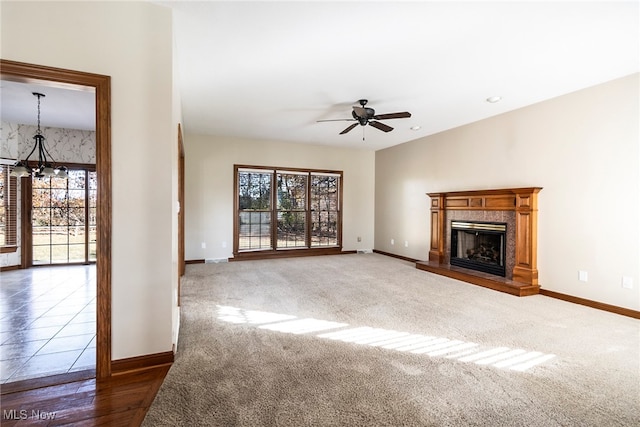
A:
x: 47, y: 321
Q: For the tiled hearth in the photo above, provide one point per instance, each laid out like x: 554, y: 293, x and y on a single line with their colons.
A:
x: 517, y: 207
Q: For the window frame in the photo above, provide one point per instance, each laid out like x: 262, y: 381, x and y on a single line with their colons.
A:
x: 275, y: 251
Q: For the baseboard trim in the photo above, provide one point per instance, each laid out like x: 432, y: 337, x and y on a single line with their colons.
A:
x: 593, y: 304
x: 10, y: 267
x: 293, y: 253
x: 404, y: 258
x: 194, y: 261
x: 121, y: 366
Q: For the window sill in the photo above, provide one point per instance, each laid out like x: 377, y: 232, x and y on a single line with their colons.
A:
x: 8, y: 249
x: 286, y: 253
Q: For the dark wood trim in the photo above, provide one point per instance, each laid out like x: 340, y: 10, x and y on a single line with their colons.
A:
x: 404, y: 258
x: 590, y: 303
x: 8, y: 249
x: 35, y: 383
x: 29, y: 73
x: 141, y: 362
x: 10, y: 267
x: 26, y: 232
x: 288, y: 253
x: 194, y: 261
x: 478, y: 278
x: 181, y: 261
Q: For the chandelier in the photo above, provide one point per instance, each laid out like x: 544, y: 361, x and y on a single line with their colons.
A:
x: 45, y: 167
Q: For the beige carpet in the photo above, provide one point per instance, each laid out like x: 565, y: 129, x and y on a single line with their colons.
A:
x: 368, y: 340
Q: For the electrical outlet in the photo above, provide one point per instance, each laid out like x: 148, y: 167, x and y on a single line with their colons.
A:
x: 204, y: 245
x: 583, y: 276
x: 359, y: 239
x: 627, y: 282
x: 406, y: 244
x: 393, y: 242
x: 224, y: 244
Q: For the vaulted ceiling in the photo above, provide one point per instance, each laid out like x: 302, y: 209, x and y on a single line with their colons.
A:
x: 271, y: 70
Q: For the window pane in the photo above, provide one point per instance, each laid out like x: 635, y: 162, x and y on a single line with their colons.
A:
x: 57, y: 182
x: 59, y: 216
x: 76, y: 198
x: 59, y: 235
x: 93, y: 180
x: 59, y: 254
x: 291, y: 229
x: 77, y: 179
x: 255, y: 230
x: 255, y: 190
x: 92, y: 252
x: 77, y: 235
x: 292, y: 192
x: 41, y: 254
x: 324, y: 207
x: 41, y: 217
x: 76, y: 217
x: 41, y: 197
x: 76, y: 252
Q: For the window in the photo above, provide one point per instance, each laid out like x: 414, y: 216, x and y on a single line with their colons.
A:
x: 286, y: 209
x: 8, y: 211
x: 63, y: 218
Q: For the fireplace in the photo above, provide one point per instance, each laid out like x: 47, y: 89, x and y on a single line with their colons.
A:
x: 479, y: 246
x: 511, y: 216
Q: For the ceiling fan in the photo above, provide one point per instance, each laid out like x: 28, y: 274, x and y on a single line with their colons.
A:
x: 367, y: 116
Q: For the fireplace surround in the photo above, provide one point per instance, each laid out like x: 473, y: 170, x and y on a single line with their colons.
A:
x: 516, y: 208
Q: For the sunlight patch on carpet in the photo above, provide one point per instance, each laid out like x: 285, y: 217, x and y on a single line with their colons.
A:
x: 500, y: 357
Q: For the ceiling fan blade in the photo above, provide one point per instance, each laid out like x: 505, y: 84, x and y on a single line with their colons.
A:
x: 381, y: 126
x: 335, y: 120
x: 349, y: 128
x: 403, y: 115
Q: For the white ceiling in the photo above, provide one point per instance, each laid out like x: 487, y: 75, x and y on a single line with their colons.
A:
x: 61, y: 107
x: 271, y: 70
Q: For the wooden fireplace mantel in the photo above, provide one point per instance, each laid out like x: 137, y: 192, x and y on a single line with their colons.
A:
x: 524, y: 201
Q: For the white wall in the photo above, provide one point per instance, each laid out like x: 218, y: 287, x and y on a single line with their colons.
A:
x: 132, y: 43
x: 583, y: 148
x: 209, y: 188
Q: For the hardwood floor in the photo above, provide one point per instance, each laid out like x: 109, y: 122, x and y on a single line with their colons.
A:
x: 121, y: 400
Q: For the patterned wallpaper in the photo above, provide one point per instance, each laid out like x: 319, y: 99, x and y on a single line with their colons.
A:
x: 64, y: 145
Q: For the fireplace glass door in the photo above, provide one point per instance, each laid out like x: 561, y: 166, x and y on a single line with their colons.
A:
x: 479, y: 246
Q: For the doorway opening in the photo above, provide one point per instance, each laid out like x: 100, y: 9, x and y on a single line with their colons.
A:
x: 100, y: 84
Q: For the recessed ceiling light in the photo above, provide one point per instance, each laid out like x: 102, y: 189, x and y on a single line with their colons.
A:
x: 415, y: 127
x: 494, y: 99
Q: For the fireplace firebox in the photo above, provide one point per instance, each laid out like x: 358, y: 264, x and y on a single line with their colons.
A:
x: 479, y: 246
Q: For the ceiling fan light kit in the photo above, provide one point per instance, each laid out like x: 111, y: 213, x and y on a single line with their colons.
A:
x: 367, y: 116
x: 45, y: 167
